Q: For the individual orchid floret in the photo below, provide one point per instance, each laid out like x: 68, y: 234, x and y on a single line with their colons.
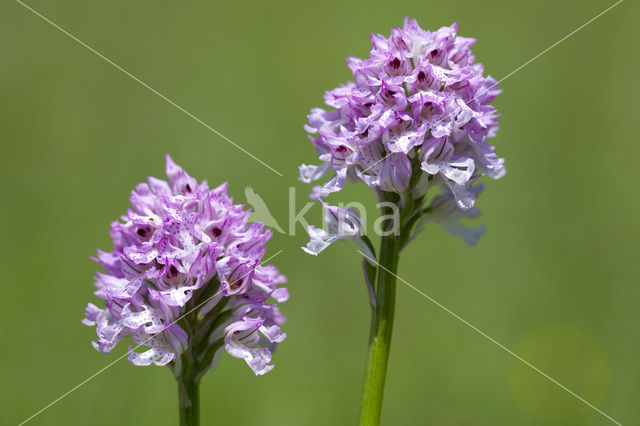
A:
x: 396, y: 173
x: 243, y: 340
x: 185, y: 277
x: 341, y: 223
x: 445, y: 211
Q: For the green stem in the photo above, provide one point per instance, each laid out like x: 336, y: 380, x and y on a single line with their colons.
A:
x: 188, y: 386
x: 189, y: 397
x: 381, y: 330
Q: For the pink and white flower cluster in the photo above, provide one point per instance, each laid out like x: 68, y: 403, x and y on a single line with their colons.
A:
x: 185, y: 272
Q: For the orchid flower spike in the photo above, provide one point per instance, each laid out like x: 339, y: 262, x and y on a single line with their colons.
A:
x: 185, y: 278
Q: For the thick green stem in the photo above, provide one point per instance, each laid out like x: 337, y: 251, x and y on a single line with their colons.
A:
x: 189, y: 395
x: 188, y: 386
x: 381, y: 330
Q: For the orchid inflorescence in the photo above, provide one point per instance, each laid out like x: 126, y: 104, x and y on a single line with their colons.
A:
x: 185, y: 276
x: 417, y: 115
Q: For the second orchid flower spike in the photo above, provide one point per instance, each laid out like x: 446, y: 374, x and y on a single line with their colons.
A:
x: 415, y: 120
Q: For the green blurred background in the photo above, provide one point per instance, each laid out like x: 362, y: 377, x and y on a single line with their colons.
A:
x: 555, y: 278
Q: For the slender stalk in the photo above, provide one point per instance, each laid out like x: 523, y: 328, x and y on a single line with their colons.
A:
x: 189, y: 397
x: 381, y: 330
x: 188, y: 383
